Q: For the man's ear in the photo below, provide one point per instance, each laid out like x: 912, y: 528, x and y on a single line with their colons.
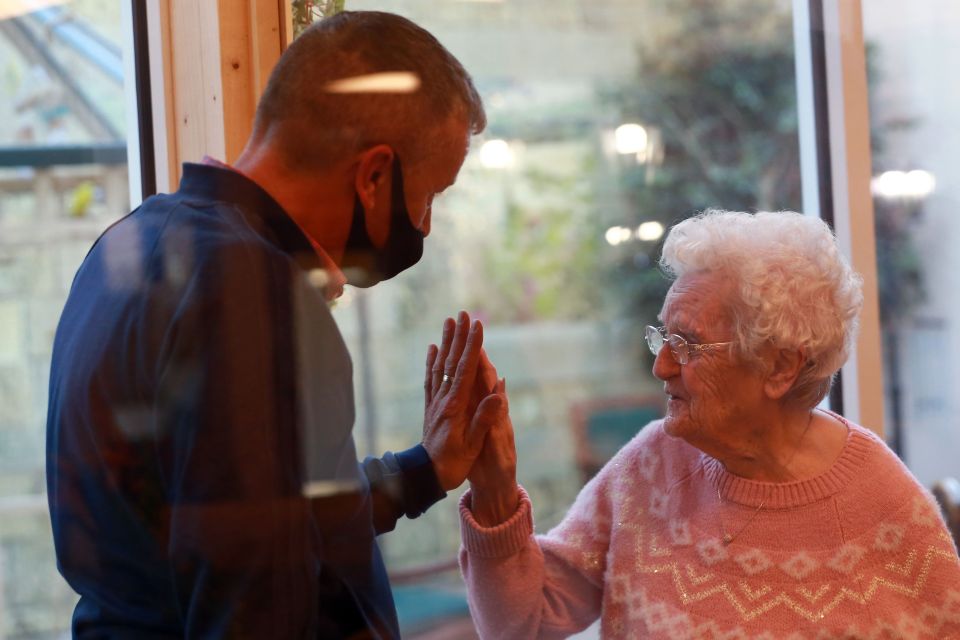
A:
x: 373, y: 174
x: 787, y: 364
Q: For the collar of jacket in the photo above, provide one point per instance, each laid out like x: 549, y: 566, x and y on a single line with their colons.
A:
x: 212, y: 182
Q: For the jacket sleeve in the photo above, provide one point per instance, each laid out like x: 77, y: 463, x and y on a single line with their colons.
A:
x: 401, y: 484
x: 526, y: 586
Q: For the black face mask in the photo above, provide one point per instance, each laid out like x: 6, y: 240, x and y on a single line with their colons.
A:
x: 364, y: 265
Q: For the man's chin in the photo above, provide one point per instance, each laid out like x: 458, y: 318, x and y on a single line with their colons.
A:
x: 366, y: 277
x: 361, y: 278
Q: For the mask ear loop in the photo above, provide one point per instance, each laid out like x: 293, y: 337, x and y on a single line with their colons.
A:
x: 358, y: 240
x: 398, y: 203
x: 404, y: 243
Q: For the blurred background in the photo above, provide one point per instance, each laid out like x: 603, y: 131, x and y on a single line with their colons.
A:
x: 609, y: 121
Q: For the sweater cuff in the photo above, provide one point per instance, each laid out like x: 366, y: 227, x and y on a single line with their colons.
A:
x: 421, y: 488
x: 502, y: 540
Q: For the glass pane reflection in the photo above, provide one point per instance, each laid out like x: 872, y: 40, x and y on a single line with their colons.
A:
x: 608, y: 122
x: 63, y: 179
x: 912, y: 113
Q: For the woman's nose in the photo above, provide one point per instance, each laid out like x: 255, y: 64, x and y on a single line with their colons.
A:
x: 665, y: 366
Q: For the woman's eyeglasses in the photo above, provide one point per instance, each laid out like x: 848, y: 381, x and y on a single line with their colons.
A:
x: 680, y: 349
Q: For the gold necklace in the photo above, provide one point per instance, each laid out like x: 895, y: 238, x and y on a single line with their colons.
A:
x: 728, y: 537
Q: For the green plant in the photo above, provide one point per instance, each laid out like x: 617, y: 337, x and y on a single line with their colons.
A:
x: 543, y: 265
x: 716, y: 82
x: 306, y: 12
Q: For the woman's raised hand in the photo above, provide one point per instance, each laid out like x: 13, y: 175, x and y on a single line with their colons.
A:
x: 493, y: 479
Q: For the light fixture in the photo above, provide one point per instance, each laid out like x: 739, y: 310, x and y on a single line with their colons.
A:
x: 920, y: 183
x: 630, y: 138
x: 650, y: 231
x: 496, y: 154
x: 904, y: 184
x: 386, y: 82
x: 617, y: 235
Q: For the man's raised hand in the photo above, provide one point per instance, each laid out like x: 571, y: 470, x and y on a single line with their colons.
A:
x: 459, y: 409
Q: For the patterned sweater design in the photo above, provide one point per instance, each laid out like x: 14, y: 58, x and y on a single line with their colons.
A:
x: 858, y: 552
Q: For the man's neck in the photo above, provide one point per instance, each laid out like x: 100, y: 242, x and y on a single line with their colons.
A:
x: 319, y: 204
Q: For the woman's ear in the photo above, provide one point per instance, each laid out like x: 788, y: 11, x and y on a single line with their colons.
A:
x: 787, y: 364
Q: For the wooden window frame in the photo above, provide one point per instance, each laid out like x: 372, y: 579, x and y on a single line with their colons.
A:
x: 836, y: 165
x: 209, y: 61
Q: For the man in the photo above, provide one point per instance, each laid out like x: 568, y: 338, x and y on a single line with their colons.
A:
x: 201, y: 471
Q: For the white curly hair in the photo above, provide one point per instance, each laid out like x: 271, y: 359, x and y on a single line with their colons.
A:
x: 795, y: 289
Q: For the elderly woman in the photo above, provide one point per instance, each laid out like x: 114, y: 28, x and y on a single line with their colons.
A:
x: 746, y: 512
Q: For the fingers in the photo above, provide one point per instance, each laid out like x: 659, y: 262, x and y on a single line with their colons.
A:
x: 499, y: 453
x: 428, y: 380
x: 501, y: 390
x: 486, y: 374
x: 484, y: 384
x: 492, y: 409
x: 437, y: 369
x: 459, y: 342
x: 466, y: 371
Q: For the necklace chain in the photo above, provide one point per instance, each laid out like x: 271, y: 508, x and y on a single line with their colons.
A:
x: 727, y: 537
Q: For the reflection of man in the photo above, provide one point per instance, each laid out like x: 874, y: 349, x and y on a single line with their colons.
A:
x: 201, y: 471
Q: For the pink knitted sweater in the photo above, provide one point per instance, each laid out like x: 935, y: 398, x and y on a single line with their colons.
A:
x: 858, y: 552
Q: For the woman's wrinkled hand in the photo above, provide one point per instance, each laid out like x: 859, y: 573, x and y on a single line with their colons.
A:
x: 493, y: 478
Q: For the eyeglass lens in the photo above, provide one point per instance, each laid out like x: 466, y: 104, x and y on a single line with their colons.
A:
x: 678, y: 346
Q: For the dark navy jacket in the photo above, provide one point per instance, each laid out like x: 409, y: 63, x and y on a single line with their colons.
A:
x: 201, y: 470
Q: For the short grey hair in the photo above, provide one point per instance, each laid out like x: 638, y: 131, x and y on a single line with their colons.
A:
x: 315, y: 126
x: 794, y: 289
